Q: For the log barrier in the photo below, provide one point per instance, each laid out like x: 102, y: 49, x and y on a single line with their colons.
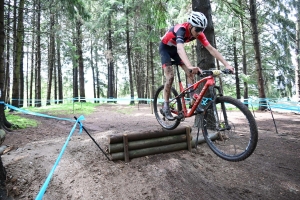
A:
x: 133, y: 145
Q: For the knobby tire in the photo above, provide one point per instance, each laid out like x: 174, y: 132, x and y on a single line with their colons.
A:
x: 237, y: 142
x: 158, y: 104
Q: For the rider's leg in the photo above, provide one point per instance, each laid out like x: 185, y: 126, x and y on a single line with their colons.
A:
x: 190, y: 81
x: 169, y: 74
x: 166, y: 52
x: 190, y: 78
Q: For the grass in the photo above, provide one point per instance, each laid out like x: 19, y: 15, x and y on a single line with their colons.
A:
x: 78, y: 108
x: 82, y: 108
x: 20, y: 122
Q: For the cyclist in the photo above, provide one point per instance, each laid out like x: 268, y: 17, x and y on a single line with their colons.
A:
x: 172, y: 46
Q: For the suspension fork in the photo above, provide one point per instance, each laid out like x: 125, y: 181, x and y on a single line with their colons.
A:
x: 214, y: 96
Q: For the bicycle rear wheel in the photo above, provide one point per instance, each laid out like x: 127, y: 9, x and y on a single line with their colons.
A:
x: 235, y: 127
x: 175, y: 106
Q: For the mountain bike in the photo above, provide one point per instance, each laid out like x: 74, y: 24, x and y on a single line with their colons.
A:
x: 225, y: 116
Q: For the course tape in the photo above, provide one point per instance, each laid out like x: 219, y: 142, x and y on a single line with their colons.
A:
x: 46, y: 183
x: 37, y: 114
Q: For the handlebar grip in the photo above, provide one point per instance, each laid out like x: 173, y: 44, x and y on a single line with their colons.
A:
x: 191, y: 71
x: 227, y: 71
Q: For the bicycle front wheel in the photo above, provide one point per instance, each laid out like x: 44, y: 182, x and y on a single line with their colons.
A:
x: 229, y: 129
x: 175, y: 106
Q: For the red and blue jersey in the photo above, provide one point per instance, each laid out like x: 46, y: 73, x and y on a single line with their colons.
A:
x: 180, y: 34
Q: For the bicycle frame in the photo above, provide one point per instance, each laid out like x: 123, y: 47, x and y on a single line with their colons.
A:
x: 209, y: 81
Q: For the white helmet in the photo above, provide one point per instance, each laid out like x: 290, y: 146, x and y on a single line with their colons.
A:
x: 197, y: 19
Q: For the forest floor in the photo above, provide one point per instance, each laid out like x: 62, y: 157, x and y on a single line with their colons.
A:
x: 271, y: 172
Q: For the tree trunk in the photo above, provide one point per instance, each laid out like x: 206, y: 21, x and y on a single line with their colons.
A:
x: 6, y: 91
x: 236, y: 69
x: 243, y: 39
x: 38, y: 87
x: 205, y: 60
x: 297, y: 69
x: 29, y: 103
x: 75, y: 74
x: 22, y: 71
x: 59, y: 72
x: 14, y: 35
x: 51, y: 61
x: 80, y: 61
x: 258, y: 65
x: 152, y: 69
x: 98, y: 88
x: 110, y: 62
x: 2, y: 94
x: 16, y: 96
x: 129, y: 58
x: 75, y: 83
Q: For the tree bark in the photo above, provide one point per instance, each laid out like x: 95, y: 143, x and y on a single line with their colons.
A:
x: 98, y: 88
x: 129, y: 58
x: 51, y: 61
x: 75, y: 74
x: 2, y: 94
x: 38, y: 87
x: 243, y: 40
x: 297, y: 69
x: 110, y: 61
x: 59, y: 73
x: 6, y: 91
x: 204, y: 59
x: 258, y: 64
x: 93, y: 70
x: 16, y: 89
x: 236, y: 69
x: 80, y: 61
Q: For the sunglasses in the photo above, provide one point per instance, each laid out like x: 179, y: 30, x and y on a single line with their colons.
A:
x: 199, y: 29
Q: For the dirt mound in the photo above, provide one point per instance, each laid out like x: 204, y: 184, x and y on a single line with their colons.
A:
x: 272, y: 172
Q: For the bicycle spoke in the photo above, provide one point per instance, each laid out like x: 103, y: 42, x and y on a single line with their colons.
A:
x: 236, y: 129
x: 175, y: 106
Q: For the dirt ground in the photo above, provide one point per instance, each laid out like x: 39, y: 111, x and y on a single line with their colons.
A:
x: 271, y: 172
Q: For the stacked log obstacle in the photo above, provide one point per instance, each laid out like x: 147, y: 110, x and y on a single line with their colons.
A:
x: 133, y: 145
x: 127, y: 146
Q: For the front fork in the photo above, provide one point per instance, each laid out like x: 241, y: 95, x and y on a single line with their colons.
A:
x: 220, y: 126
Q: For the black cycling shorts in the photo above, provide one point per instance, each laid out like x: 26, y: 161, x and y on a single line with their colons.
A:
x: 167, y: 53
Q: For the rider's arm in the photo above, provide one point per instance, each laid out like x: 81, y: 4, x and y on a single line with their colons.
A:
x: 180, y: 33
x: 181, y: 52
x: 214, y: 52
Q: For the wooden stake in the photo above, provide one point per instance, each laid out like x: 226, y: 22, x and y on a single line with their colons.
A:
x: 125, y: 144
x: 188, y: 138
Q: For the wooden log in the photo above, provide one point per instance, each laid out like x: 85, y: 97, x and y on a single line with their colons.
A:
x: 141, y: 144
x: 125, y: 145
x: 188, y: 138
x: 201, y: 139
x: 147, y: 135
x: 150, y: 151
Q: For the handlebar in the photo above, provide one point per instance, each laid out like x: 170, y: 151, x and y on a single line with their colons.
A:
x: 213, y: 72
